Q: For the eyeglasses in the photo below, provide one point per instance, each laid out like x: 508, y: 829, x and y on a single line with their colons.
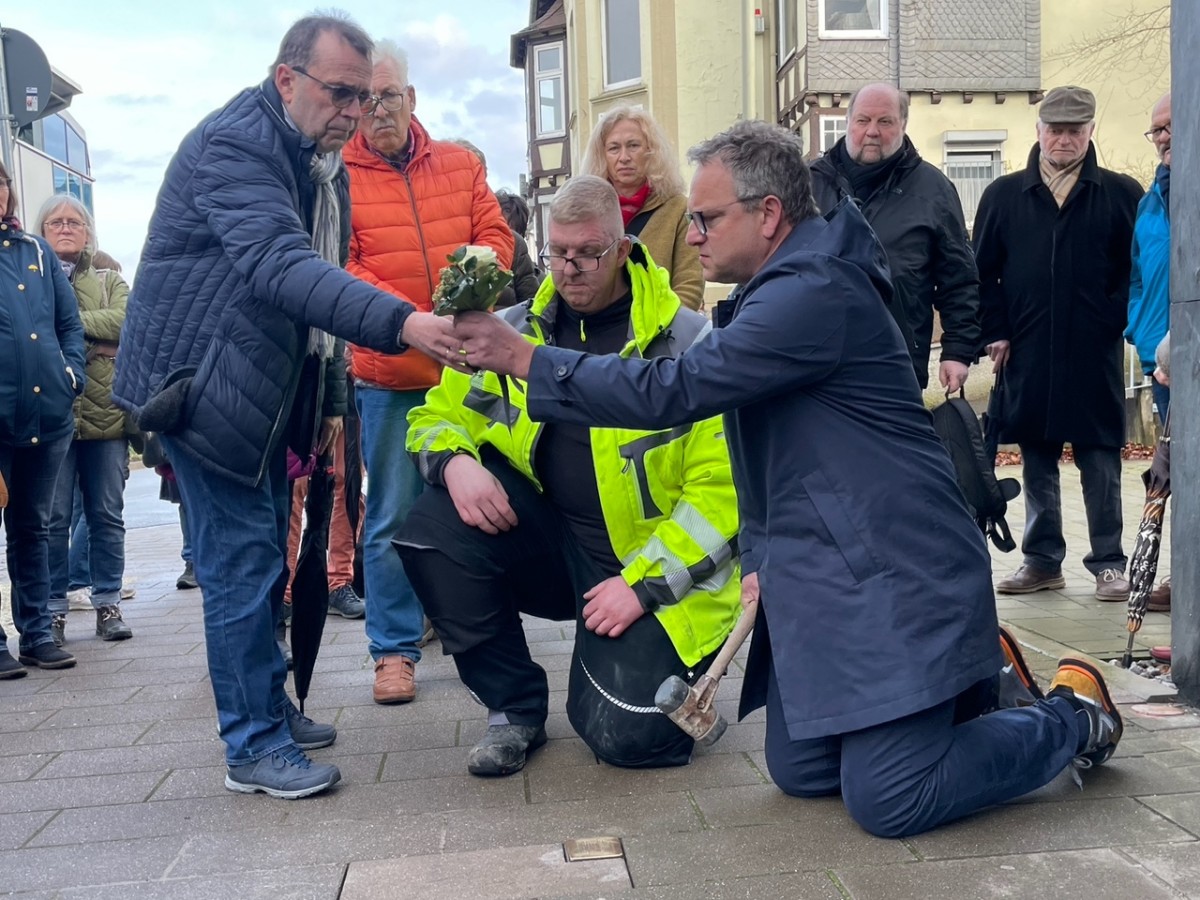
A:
x: 581, y: 263
x: 65, y: 225
x: 392, y: 101
x: 1154, y: 133
x: 703, y: 220
x: 341, y: 95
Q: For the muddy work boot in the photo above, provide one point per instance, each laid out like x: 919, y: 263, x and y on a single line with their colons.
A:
x: 504, y: 749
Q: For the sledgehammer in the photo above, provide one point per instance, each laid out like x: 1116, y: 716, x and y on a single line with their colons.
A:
x: 691, y: 707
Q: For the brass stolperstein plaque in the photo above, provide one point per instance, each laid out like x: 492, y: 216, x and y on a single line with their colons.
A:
x: 578, y: 849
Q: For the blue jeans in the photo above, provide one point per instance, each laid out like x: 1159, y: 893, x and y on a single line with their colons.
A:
x: 31, y: 474
x: 101, y: 469
x: 239, y: 535
x: 1043, y: 544
x: 907, y: 776
x: 185, y: 552
x: 395, y: 621
x: 79, y: 566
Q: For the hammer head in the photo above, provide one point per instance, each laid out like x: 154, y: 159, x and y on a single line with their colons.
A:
x: 682, y: 705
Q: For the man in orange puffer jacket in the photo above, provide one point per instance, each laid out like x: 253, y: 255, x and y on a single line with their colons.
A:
x: 414, y: 201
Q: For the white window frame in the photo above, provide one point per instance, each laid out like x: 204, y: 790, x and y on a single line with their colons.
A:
x: 782, y: 38
x: 856, y: 35
x: 539, y: 76
x: 962, y: 151
x: 822, y: 121
x: 628, y: 82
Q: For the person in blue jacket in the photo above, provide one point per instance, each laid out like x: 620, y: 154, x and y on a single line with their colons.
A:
x: 876, y: 636
x: 1150, y: 262
x: 228, y: 335
x: 41, y: 343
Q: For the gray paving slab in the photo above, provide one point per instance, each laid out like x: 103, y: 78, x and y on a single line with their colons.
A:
x: 300, y: 883
x: 17, y: 828
x: 499, y: 874
x: 1177, y: 865
x: 88, y: 865
x: 1100, y: 874
x: 686, y: 858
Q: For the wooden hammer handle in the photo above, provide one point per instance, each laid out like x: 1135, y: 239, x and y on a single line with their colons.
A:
x: 745, y: 624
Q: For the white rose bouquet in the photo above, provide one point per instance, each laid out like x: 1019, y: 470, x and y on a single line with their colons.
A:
x: 473, y: 280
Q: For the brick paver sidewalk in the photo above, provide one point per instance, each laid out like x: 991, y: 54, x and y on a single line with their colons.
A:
x: 111, y: 783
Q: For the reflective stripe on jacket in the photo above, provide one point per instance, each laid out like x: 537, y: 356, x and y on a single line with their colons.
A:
x: 668, y: 497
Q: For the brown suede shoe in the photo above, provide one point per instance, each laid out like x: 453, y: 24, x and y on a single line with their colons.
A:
x: 1160, y: 597
x: 1028, y: 579
x: 394, y: 679
x: 1112, y: 586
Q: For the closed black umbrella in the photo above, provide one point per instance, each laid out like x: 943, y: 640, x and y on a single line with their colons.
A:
x: 1143, y: 563
x: 992, y: 419
x: 352, y: 486
x: 310, y: 585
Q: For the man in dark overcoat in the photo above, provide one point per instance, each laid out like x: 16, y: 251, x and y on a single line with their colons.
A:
x: 1052, y: 245
x: 835, y: 462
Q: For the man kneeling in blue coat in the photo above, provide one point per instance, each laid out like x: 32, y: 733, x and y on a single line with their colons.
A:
x: 876, y: 640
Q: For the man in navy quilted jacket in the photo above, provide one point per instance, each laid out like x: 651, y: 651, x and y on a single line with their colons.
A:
x: 230, y: 328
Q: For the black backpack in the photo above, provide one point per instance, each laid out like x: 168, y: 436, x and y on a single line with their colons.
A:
x: 958, y: 427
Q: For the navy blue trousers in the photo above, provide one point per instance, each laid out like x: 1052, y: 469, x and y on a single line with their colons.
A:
x: 907, y: 776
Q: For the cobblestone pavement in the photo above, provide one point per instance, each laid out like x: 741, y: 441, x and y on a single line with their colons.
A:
x: 111, y: 782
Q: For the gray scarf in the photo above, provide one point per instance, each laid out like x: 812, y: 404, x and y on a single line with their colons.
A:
x: 326, y: 232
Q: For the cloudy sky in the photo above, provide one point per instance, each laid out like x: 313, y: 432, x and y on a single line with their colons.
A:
x: 151, y: 70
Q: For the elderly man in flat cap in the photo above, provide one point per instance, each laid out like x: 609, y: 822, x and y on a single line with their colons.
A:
x: 1052, y: 245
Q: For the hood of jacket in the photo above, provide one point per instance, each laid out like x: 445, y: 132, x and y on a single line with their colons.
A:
x: 843, y: 234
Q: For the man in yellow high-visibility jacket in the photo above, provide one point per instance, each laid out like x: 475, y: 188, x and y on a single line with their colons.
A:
x: 631, y: 533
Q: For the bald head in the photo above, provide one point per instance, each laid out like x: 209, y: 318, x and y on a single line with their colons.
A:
x: 875, y: 123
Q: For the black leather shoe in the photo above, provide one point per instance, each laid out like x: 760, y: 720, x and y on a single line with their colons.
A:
x: 1027, y: 580
x: 504, y: 749
x: 110, y: 626
x: 9, y: 667
x: 47, y: 656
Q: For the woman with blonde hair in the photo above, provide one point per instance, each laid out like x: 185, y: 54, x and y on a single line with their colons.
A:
x: 630, y: 150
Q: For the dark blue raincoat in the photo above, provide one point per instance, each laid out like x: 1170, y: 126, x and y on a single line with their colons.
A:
x: 875, y: 582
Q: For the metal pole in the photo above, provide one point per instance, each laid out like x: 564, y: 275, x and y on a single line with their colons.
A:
x: 1185, y: 349
x: 7, y: 131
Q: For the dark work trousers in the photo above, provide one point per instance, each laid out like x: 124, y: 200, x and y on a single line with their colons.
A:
x: 474, y: 588
x: 1100, y: 476
x: 904, y: 777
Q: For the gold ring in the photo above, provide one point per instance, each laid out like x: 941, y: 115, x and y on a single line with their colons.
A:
x: 462, y: 350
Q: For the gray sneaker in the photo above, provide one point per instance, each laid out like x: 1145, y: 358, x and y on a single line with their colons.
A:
x: 287, y: 774
x: 504, y: 749
x: 58, y: 628
x: 345, y: 603
x: 307, y: 734
x: 110, y: 626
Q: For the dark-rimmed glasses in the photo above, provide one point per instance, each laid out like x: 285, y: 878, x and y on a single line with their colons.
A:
x: 391, y: 101
x: 65, y: 225
x: 703, y: 219
x: 340, y: 95
x: 1153, y: 134
x: 581, y: 263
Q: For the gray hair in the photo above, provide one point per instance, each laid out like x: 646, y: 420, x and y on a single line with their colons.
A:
x: 76, y: 206
x: 389, y: 51
x: 587, y: 198
x: 296, y: 48
x: 764, y: 160
x: 901, y: 98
